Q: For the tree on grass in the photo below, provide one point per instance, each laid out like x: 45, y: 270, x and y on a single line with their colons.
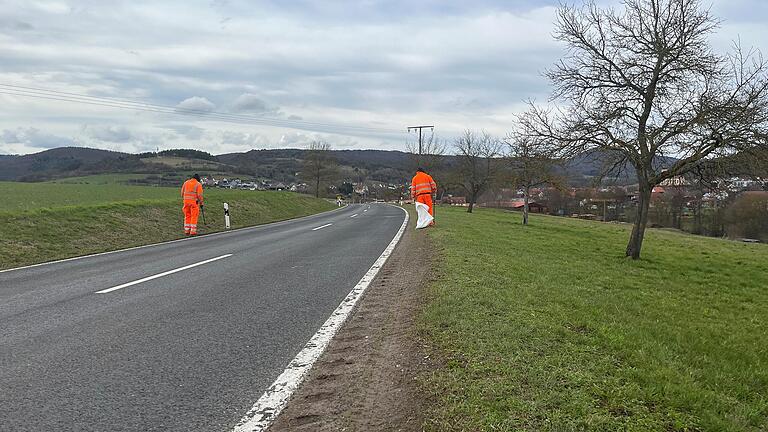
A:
x: 478, y: 163
x: 319, y: 166
x: 432, y: 153
x: 531, y: 166
x: 644, y: 84
x: 432, y: 158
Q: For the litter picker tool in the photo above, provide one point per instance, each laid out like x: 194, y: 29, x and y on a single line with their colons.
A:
x: 202, y: 213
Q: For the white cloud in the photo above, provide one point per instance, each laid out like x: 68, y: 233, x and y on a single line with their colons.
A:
x: 297, y: 139
x: 250, y: 103
x: 186, y: 131
x: 114, y: 134
x: 452, y: 63
x: 34, y: 138
x: 129, y: 139
x: 244, y: 140
x: 196, y: 103
x: 302, y: 140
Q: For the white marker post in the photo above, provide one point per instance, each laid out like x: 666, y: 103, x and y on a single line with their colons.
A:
x: 226, y: 215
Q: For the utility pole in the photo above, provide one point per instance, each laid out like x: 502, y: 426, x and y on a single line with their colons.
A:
x: 421, y: 141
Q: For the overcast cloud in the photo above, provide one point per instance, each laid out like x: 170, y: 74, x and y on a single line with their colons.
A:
x: 323, y: 68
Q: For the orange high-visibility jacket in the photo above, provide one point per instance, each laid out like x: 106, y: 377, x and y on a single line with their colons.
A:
x: 192, y: 192
x: 422, y: 183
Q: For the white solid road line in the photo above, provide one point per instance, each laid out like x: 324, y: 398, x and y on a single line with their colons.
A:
x: 354, y: 215
x: 269, y: 405
x: 321, y: 227
x: 159, y: 275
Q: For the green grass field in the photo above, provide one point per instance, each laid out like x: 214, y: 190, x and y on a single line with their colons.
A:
x: 549, y: 328
x: 42, y: 221
x: 33, y: 196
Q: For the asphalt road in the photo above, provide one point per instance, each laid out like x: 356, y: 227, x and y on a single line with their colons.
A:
x: 190, y: 350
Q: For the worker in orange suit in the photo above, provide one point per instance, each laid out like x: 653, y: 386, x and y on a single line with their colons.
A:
x: 192, y: 194
x: 423, y: 189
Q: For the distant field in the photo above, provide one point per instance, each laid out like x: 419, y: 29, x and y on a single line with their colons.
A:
x: 185, y: 163
x: 102, y: 179
x: 549, y: 328
x: 44, y: 221
x: 167, y: 179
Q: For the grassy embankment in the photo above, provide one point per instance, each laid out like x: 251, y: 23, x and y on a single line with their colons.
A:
x: 548, y: 327
x: 41, y: 222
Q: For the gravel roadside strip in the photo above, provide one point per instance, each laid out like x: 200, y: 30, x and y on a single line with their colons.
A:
x: 366, y: 379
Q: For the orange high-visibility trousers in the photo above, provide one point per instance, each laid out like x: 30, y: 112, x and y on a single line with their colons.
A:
x: 427, y: 200
x: 191, y: 211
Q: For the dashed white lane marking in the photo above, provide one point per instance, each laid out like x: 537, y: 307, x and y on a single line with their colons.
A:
x: 159, y: 275
x: 365, y: 210
x: 200, y: 237
x: 272, y: 402
x: 354, y: 215
x: 322, y: 226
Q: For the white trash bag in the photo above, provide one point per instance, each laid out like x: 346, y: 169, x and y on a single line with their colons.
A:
x: 424, y: 217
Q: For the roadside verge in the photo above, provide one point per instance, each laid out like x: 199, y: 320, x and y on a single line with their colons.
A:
x: 366, y: 380
x: 36, y: 236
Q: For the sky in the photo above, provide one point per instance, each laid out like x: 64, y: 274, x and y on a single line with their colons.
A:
x: 353, y: 73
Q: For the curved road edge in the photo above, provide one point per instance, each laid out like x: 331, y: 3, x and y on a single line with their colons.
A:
x: 265, y: 411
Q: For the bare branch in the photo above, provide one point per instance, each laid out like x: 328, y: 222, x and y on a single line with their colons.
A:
x: 645, y: 87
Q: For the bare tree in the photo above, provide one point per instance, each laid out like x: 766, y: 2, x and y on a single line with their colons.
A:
x: 531, y: 164
x: 432, y: 151
x: 319, y: 166
x: 432, y: 158
x: 478, y: 163
x: 645, y: 86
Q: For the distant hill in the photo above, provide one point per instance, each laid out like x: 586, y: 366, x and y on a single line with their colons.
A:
x: 283, y: 164
x: 180, y: 153
x: 586, y: 169
x: 280, y: 165
x: 65, y: 162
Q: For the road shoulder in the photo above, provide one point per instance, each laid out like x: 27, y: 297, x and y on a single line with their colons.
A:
x: 366, y: 380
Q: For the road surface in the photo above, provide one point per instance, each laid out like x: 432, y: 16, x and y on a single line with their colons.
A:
x: 179, y: 336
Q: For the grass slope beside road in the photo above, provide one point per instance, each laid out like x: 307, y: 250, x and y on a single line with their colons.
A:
x: 95, y: 224
x: 548, y: 327
x: 33, y: 196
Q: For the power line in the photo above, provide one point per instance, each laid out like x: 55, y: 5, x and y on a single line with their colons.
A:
x: 39, y: 93
x: 76, y: 97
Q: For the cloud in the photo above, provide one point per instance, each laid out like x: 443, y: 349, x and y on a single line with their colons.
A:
x: 187, y: 131
x: 13, y: 25
x: 196, y: 103
x: 244, y: 139
x: 34, y: 138
x: 250, y: 103
x: 451, y: 63
x: 301, y: 139
x: 113, y: 134
x: 297, y: 139
x: 128, y: 139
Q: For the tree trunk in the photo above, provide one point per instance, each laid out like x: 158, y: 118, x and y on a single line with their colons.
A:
x: 641, y: 221
x: 699, y: 228
x: 525, y: 206
x: 471, y: 202
x: 317, y: 187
